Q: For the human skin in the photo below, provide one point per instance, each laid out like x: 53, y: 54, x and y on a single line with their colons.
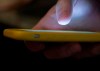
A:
x: 52, y: 20
x: 86, y: 20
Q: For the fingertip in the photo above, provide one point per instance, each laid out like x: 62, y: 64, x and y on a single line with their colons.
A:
x: 64, y: 21
x: 64, y: 11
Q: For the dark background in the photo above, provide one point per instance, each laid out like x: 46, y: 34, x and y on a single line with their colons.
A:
x: 14, y: 52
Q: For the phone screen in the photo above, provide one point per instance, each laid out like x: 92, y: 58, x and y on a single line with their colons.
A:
x: 86, y: 15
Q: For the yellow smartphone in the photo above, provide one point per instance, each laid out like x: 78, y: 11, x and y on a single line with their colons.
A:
x: 52, y: 35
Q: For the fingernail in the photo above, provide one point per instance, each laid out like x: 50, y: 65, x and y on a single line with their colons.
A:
x: 64, y: 21
x: 64, y: 12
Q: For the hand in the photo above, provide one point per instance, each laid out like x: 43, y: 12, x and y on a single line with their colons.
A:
x: 84, y: 18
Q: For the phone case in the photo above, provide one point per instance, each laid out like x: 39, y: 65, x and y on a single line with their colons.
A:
x: 52, y: 35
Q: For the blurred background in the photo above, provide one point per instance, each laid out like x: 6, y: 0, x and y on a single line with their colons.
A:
x: 20, y: 14
x: 24, y: 14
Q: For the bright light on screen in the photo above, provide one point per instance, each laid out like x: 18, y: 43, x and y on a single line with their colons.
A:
x: 82, y: 8
x: 65, y: 21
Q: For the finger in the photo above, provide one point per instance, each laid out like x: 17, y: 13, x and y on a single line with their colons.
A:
x: 49, y: 22
x: 64, y: 11
x: 91, y: 52
x: 96, y: 49
x: 35, y: 46
x: 62, y: 51
x: 45, y: 21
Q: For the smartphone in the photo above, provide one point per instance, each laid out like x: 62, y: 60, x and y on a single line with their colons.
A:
x: 52, y: 35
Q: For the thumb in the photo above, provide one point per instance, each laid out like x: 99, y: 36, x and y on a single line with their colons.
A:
x: 64, y: 11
